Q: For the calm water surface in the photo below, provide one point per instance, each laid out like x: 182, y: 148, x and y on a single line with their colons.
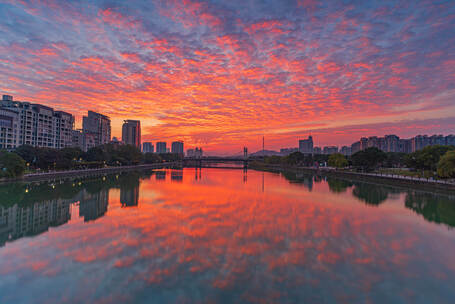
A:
x: 224, y: 235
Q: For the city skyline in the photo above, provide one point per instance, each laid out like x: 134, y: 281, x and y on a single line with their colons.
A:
x: 222, y: 75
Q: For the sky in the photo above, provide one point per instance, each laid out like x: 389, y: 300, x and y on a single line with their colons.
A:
x: 223, y: 74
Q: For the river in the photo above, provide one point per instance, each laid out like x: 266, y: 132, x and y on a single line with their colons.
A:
x: 222, y: 236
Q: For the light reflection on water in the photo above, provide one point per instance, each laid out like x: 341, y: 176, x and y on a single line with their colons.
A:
x: 220, y: 235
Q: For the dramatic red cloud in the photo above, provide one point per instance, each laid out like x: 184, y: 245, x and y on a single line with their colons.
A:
x: 223, y: 76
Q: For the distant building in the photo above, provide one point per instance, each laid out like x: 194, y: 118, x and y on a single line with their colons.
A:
x: 148, y: 147
x: 345, y: 150
x: 373, y: 142
x: 330, y: 150
x: 317, y: 150
x: 437, y: 140
x: 419, y: 142
x: 450, y: 140
x: 161, y: 147
x: 306, y: 145
x: 98, y: 126
x: 84, y: 141
x: 177, y: 147
x: 36, y: 125
x: 355, y: 147
x: 131, y: 133
x: 197, y: 152
x: 404, y: 146
x: 391, y: 142
x: 363, y: 143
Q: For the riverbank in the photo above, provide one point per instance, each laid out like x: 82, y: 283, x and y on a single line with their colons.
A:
x: 393, y: 180
x: 69, y: 174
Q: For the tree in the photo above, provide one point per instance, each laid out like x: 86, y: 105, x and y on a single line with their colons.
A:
x: 368, y: 159
x: 395, y: 160
x: 11, y: 165
x: 152, y: 158
x: 427, y: 158
x: 273, y: 159
x: 337, y: 160
x: 295, y: 158
x: 446, y: 165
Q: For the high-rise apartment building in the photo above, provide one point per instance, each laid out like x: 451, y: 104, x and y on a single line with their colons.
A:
x: 317, y: 150
x: 177, y: 147
x: 131, y: 133
x: 306, y: 145
x: 98, y: 126
x: 450, y: 140
x: 161, y: 147
x: 39, y: 125
x: 330, y: 150
x: 356, y: 147
x: 345, y: 150
x: 148, y: 147
x: 419, y: 142
x: 82, y: 140
x: 391, y: 142
x: 9, y: 129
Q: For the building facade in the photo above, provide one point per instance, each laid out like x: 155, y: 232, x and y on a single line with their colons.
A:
x: 39, y: 125
x: 161, y: 147
x: 9, y: 129
x: 345, y: 150
x: 177, y: 147
x: 98, y: 126
x: 306, y: 145
x: 131, y: 133
x: 197, y: 152
x: 148, y: 147
x: 330, y: 150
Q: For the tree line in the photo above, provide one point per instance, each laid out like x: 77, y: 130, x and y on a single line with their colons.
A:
x: 431, y: 161
x: 31, y: 159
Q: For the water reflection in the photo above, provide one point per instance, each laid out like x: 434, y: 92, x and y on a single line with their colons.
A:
x: 28, y: 210
x: 215, y: 236
x: 129, y: 192
x: 92, y: 205
x: 434, y: 207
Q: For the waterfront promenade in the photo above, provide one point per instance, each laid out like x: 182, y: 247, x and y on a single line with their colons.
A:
x: 68, y: 174
x: 392, y: 179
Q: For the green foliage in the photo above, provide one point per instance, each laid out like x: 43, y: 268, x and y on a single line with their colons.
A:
x: 295, y: 158
x: 446, y: 165
x: 368, y: 159
x: 337, y: 160
x: 338, y: 185
x: 427, y: 158
x: 152, y: 158
x: 11, y: 165
x: 395, y: 160
x: 114, y: 154
x: 171, y: 157
x: 48, y: 158
x: 273, y: 160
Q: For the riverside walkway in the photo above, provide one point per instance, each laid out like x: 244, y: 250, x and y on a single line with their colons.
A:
x: 93, y: 172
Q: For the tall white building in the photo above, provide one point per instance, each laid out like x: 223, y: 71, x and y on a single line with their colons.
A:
x: 39, y: 125
x: 9, y: 129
